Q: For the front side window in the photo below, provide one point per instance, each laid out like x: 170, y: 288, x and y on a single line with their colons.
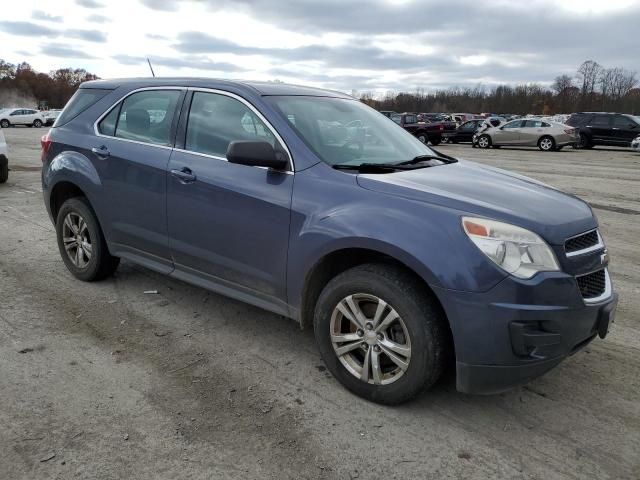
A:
x: 514, y: 124
x: 216, y: 120
x: 143, y: 116
x: 620, y: 121
x: 16, y: 112
x: 411, y: 119
x: 347, y: 132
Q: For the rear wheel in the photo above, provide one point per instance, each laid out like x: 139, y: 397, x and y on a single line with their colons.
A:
x: 422, y: 137
x: 81, y: 242
x: 380, y: 334
x: 547, y: 144
x: 583, y: 142
x: 484, y: 141
x: 37, y: 123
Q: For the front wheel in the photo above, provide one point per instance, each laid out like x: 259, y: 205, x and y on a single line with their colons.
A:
x: 81, y: 242
x: 484, y: 141
x: 4, y: 123
x: 436, y: 140
x: 380, y: 334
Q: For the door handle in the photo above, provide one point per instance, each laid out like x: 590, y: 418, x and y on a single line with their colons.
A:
x: 102, y: 152
x: 185, y: 175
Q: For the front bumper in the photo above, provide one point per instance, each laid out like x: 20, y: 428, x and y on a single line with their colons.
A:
x: 520, y: 329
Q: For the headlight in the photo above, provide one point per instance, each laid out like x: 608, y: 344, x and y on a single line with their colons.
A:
x: 517, y: 251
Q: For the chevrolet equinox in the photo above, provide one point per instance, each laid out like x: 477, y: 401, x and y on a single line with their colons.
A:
x: 310, y: 204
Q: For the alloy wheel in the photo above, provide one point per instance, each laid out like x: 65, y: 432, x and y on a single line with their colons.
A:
x: 546, y: 144
x: 483, y: 142
x: 77, y: 240
x: 370, y: 339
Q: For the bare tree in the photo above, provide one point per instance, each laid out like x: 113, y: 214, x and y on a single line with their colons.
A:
x: 562, y: 83
x: 589, y: 72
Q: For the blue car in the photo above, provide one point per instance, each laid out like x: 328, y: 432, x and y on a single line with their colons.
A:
x: 309, y: 204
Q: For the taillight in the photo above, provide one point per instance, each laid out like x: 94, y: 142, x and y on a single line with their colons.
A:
x: 45, y: 143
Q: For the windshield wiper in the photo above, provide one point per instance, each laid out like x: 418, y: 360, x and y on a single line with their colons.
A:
x: 422, y: 158
x: 372, y: 167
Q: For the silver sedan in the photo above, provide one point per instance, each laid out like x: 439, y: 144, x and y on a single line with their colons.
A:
x: 547, y: 136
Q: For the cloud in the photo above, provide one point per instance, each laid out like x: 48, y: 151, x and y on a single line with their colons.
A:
x: 63, y: 51
x: 89, y: 4
x: 40, y: 15
x: 28, y: 29
x: 192, y: 62
x: 96, y: 18
x: 166, y: 5
x: 25, y: 28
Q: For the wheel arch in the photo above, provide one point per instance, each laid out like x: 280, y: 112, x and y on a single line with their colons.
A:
x: 339, y: 260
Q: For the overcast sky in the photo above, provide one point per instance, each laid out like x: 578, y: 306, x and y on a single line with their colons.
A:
x: 366, y: 45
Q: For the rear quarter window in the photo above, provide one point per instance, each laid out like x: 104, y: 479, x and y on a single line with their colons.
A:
x: 81, y: 100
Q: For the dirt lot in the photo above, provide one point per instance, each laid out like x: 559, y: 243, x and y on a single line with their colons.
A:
x: 189, y: 384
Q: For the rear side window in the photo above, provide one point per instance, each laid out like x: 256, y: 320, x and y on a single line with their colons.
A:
x: 600, y: 121
x: 81, y: 100
x: 144, y: 117
x: 217, y: 120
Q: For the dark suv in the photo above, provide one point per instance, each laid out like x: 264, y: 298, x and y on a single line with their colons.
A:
x: 310, y: 204
x: 599, y: 128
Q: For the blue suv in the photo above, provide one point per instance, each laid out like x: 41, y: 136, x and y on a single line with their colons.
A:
x: 310, y: 204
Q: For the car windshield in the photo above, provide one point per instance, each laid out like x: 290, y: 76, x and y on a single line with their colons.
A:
x: 636, y: 118
x: 347, y: 132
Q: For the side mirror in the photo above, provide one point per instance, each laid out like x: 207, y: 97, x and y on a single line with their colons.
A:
x: 256, y: 154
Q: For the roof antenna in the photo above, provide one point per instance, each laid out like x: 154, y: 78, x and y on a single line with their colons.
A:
x: 149, y: 62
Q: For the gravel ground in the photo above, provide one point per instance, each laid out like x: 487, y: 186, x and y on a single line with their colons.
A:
x: 102, y: 381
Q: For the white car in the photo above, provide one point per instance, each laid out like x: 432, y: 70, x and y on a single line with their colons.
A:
x: 4, y: 159
x: 635, y: 143
x: 21, y: 116
x: 50, y: 116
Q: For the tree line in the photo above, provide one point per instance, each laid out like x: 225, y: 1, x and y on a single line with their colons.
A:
x: 22, y: 86
x: 592, y: 88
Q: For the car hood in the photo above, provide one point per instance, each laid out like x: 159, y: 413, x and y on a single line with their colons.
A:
x: 471, y: 188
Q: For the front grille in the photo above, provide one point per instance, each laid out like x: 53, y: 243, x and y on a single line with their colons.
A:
x: 592, y: 285
x: 582, y: 242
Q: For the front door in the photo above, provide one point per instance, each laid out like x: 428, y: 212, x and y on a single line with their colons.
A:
x: 625, y: 130
x: 228, y: 223
x: 508, y: 134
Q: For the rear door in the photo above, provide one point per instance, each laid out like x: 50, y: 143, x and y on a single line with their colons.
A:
x: 228, y: 223
x: 531, y: 132
x: 601, y: 128
x: 131, y: 154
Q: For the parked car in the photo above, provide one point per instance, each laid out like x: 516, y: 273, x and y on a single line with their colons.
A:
x: 460, y: 118
x: 425, y: 131
x: 4, y: 159
x: 464, y: 133
x: 21, y: 116
x: 599, y: 128
x: 547, y: 136
x: 50, y: 116
x: 387, y: 113
x: 399, y: 257
x: 635, y: 144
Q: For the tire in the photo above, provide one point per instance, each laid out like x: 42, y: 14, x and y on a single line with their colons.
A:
x: 423, y: 137
x: 5, y: 123
x: 88, y: 267
x: 4, y: 170
x: 547, y: 143
x: 484, y: 141
x: 436, y: 140
x: 37, y: 123
x: 583, y: 143
x: 420, y: 327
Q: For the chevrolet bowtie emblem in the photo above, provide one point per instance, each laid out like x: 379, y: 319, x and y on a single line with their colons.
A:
x: 604, y: 258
